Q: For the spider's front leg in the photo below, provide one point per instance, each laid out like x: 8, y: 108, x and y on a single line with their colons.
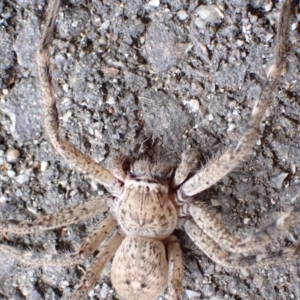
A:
x: 224, y: 163
x: 189, y: 163
x: 73, y: 156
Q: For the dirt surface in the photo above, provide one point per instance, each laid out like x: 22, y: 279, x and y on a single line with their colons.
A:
x: 142, y: 78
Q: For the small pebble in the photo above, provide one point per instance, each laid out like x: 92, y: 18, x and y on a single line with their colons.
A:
x: 276, y: 182
x: 182, y: 15
x: 258, y: 281
x: 44, y: 166
x: 192, y: 105
x: 11, y: 173
x: 18, y: 193
x: 192, y: 295
x: 231, y: 126
x: 209, y: 13
x: 104, y: 291
x: 200, y: 23
x: 3, y: 199
x: 65, y: 87
x: 154, y: 3
x: 105, y: 25
x: 23, y: 178
x: 12, y: 155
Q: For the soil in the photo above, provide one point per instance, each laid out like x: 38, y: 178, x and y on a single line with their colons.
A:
x: 148, y: 78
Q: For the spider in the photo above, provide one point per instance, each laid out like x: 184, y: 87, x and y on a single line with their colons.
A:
x: 149, y: 200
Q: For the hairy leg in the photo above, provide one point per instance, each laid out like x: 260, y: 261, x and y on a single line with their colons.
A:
x: 62, y: 218
x: 189, y: 162
x: 89, y: 279
x: 90, y: 244
x: 217, y: 231
x: 224, y: 163
x: 175, y: 269
x: 225, y: 259
x: 73, y: 156
x: 262, y: 237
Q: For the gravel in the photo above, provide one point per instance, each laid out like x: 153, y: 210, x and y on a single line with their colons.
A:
x: 145, y: 78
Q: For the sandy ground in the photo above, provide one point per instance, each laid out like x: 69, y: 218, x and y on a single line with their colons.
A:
x: 143, y: 78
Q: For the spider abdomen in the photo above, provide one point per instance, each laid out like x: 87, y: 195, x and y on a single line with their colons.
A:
x: 140, y: 269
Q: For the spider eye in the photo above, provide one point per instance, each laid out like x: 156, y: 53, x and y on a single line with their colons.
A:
x: 126, y: 166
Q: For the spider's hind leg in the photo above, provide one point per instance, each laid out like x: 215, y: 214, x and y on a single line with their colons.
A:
x: 262, y: 237
x: 175, y: 268
x: 102, y: 258
x: 238, y: 261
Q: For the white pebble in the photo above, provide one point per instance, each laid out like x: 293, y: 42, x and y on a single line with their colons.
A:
x: 192, y: 105
x: 231, y: 126
x: 44, y: 166
x: 209, y: 13
x: 3, y: 199
x: 258, y: 281
x: 191, y: 294
x: 154, y: 3
x: 182, y: 15
x: 65, y: 87
x: 23, y: 178
x: 268, y: 37
x: 19, y: 193
x: 75, y: 24
x: 294, y: 26
x: 66, y: 116
x: 239, y: 43
x: 104, y: 291
x: 12, y: 155
x: 105, y: 25
x: 11, y: 173
x: 200, y: 23
x: 246, y: 221
x: 64, y: 284
x: 210, y: 117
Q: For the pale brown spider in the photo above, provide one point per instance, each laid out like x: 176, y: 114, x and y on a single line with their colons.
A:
x: 150, y: 200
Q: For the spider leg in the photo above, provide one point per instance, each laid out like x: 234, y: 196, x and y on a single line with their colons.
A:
x: 285, y: 222
x: 90, y: 244
x: 211, y: 226
x: 73, y: 156
x: 64, y: 217
x: 105, y: 254
x: 175, y: 269
x: 224, y: 163
x: 189, y: 162
x: 224, y: 258
x: 218, y: 232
